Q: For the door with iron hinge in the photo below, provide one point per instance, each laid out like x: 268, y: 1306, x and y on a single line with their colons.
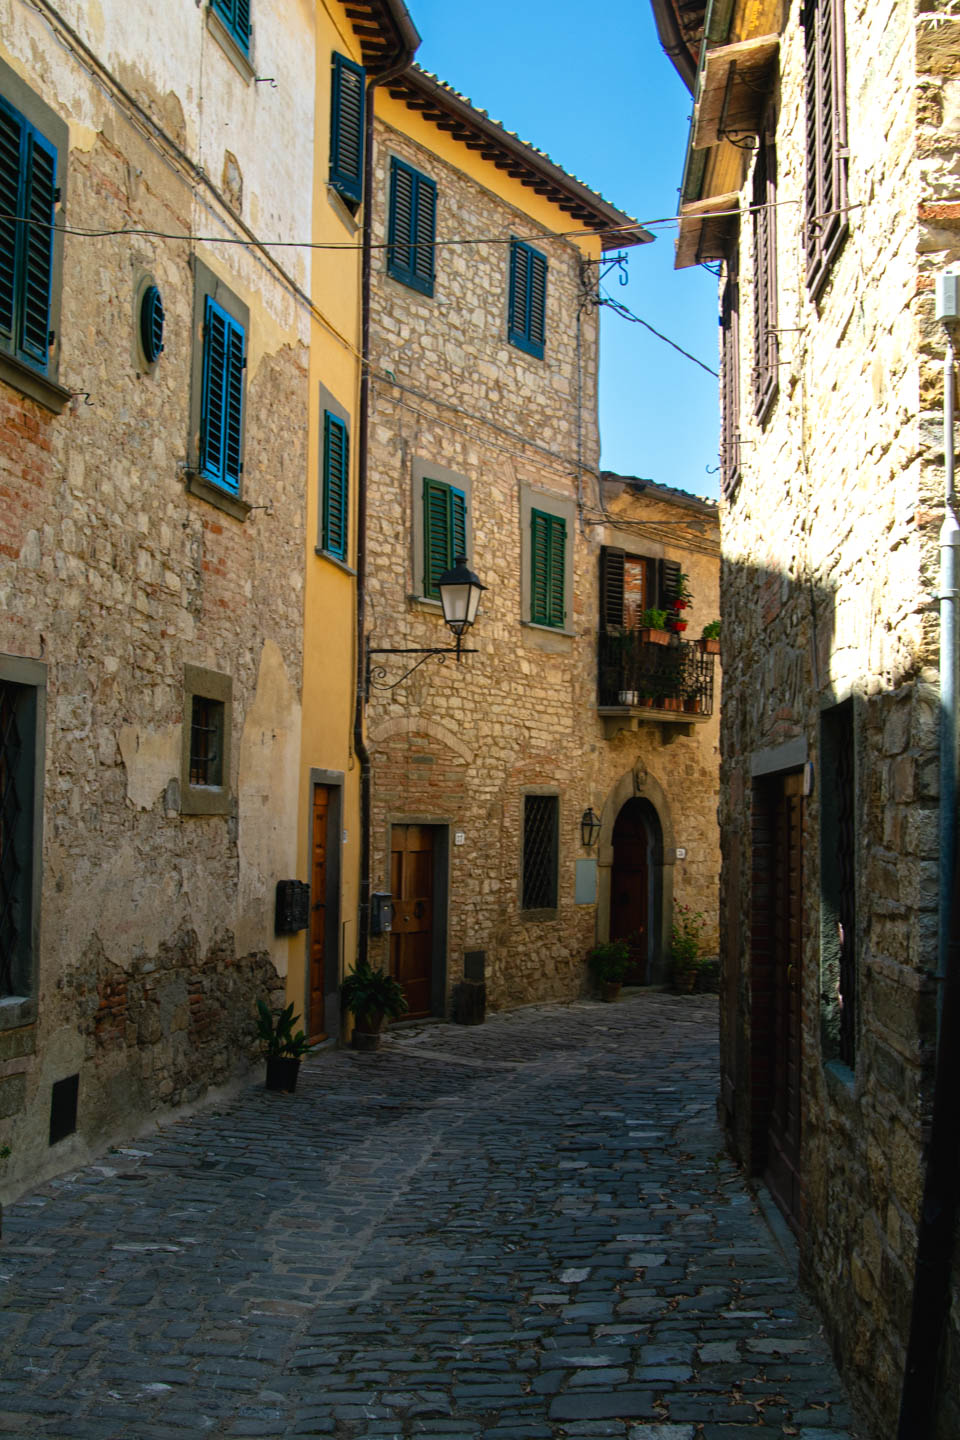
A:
x: 412, y: 935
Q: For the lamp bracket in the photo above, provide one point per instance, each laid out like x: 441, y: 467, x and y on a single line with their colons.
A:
x: 376, y: 674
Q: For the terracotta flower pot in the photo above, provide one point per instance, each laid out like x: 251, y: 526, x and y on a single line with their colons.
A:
x: 367, y: 1032
x: 655, y: 637
x: 710, y: 647
x: 610, y: 989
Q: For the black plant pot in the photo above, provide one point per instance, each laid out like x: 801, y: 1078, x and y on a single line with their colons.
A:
x: 282, y: 1072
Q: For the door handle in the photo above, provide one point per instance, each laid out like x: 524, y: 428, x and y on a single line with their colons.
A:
x: 418, y: 910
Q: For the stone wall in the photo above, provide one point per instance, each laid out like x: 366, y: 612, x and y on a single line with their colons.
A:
x: 829, y: 574
x: 156, y: 926
x: 459, y: 746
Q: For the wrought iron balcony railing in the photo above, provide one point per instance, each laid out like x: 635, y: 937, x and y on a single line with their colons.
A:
x: 638, y: 674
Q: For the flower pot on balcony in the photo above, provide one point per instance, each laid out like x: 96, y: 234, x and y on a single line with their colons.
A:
x: 629, y: 697
x: 654, y: 637
x: 678, y: 625
x: 672, y: 702
x: 710, y: 647
x: 692, y: 704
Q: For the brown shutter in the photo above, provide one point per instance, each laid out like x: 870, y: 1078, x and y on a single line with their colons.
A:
x: 730, y: 376
x: 669, y: 582
x: 611, y: 587
x: 826, y: 137
x: 766, y: 357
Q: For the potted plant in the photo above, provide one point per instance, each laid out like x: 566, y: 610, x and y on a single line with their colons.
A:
x: 652, y: 625
x: 371, y: 996
x: 685, y: 933
x: 283, y: 1048
x: 608, y: 964
x: 682, y: 594
x: 710, y: 638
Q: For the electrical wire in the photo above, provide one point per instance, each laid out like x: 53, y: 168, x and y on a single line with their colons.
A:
x: 626, y: 314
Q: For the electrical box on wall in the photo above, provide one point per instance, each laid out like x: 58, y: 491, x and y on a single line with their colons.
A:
x: 381, y: 912
x: 292, y: 912
x: 948, y: 295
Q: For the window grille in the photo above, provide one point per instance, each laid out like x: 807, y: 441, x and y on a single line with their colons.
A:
x: 206, y: 741
x: 12, y: 868
x: 540, y: 823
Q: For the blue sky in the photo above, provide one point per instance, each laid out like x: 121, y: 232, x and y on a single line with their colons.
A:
x: 600, y: 97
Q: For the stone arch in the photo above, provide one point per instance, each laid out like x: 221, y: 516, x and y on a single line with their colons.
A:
x: 637, y: 783
x: 403, y: 725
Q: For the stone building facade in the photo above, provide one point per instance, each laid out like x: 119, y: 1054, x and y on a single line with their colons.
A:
x: 154, y: 413
x: 483, y: 769
x: 821, y: 173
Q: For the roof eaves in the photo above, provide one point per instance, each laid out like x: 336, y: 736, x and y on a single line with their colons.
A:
x: 667, y: 493
x: 455, y: 113
x: 387, y: 34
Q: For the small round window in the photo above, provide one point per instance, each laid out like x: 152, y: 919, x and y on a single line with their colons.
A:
x: 151, y: 324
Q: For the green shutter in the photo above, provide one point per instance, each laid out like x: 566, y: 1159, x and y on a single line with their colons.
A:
x: 336, y: 462
x: 400, y: 237
x: 28, y: 189
x: 411, y: 234
x: 346, y: 128
x: 11, y: 133
x: 444, y: 531
x: 548, y: 544
x: 235, y: 15
x: 221, y: 402
x: 425, y: 233
x: 527, y: 306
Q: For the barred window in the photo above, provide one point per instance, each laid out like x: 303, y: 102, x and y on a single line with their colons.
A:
x: 540, y: 830
x: 206, y: 741
x: 21, y: 721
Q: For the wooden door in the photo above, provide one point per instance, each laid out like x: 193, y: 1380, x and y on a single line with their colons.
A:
x: 630, y: 888
x: 783, y: 1174
x: 411, y: 938
x: 318, y: 911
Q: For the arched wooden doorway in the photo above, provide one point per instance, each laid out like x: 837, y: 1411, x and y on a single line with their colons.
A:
x: 636, y: 886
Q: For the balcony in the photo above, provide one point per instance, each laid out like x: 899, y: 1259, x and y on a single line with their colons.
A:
x: 640, y: 683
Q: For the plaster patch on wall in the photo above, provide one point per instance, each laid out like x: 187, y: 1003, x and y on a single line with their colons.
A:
x: 268, y: 800
x: 151, y: 758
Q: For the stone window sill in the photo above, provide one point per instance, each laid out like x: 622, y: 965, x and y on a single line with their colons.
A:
x: 538, y: 629
x: 204, y: 490
x: 535, y: 917
x: 229, y: 46
x: 334, y: 560
x: 17, y: 1010
x: 29, y: 382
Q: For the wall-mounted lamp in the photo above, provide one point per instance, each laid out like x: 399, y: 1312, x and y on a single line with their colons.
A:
x: 589, y: 828
x: 460, y: 592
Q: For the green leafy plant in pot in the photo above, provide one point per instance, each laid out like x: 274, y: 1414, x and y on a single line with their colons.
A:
x: 371, y: 996
x: 685, y: 933
x: 283, y: 1047
x: 608, y: 964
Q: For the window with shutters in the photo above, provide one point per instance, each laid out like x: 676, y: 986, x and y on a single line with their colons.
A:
x: 630, y: 584
x: 825, y: 220
x: 33, y: 148
x: 730, y: 376
x: 548, y: 548
x: 441, y: 524
x: 412, y: 227
x: 22, y: 693
x: 346, y: 130
x: 235, y: 15
x: 541, y: 818
x: 527, y: 305
x: 335, y: 496
x: 766, y: 348
x: 217, y: 402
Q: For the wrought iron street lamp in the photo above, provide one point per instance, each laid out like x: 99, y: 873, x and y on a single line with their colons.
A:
x: 589, y: 828
x: 460, y: 592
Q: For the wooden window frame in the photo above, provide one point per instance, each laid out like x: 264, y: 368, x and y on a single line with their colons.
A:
x: 766, y: 340
x: 212, y: 799
x: 411, y: 257
x: 730, y: 374
x: 825, y: 84
x: 549, y: 543
x: 422, y: 471
x: 234, y: 16
x: 527, y: 320
x: 199, y: 481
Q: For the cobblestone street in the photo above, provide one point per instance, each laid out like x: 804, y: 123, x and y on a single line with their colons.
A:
x: 527, y: 1229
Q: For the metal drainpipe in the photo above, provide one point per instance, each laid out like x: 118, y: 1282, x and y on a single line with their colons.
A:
x: 937, y: 1219
x: 359, y: 740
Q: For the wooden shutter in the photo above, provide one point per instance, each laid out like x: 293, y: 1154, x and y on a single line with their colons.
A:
x: 766, y: 359
x: 612, y: 564
x: 826, y: 140
x: 527, y: 301
x: 411, y: 233
x: 336, y: 461
x: 548, y: 539
x: 28, y: 188
x: 425, y: 233
x: 11, y: 140
x: 235, y: 14
x: 346, y: 128
x: 670, y: 571
x: 221, y: 404
x: 444, y: 531
x: 730, y: 376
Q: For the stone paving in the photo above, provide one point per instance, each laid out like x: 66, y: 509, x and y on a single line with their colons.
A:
x: 521, y: 1230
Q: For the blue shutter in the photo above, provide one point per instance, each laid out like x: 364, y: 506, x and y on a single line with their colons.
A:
x: 548, y: 541
x: 444, y: 531
x: 336, y: 462
x: 346, y: 128
x: 221, y: 403
x: 411, y: 235
x: 235, y: 14
x: 527, y: 307
x: 28, y: 190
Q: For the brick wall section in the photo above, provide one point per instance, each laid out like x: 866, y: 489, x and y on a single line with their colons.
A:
x: 829, y: 576
x: 459, y: 744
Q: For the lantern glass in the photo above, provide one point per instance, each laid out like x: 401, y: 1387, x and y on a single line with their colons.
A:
x: 460, y: 592
x: 589, y: 828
